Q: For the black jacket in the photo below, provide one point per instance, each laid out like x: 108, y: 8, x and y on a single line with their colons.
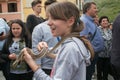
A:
x: 32, y: 21
x: 115, y: 55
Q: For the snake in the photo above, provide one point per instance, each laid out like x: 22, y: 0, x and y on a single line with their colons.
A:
x: 45, y: 50
x: 20, y: 57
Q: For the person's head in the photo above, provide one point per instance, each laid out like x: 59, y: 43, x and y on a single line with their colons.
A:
x: 64, y: 18
x: 96, y: 20
x: 48, y: 2
x: 110, y: 26
x: 9, y: 22
x: 17, y: 29
x: 90, y: 9
x: 36, y: 6
x: 104, y: 21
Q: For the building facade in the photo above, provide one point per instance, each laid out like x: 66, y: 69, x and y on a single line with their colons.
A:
x: 27, y: 7
x: 10, y: 9
x: 20, y: 9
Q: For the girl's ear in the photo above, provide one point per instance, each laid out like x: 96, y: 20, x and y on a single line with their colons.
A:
x: 71, y: 21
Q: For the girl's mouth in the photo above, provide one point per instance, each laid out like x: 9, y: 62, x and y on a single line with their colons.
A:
x: 53, y: 28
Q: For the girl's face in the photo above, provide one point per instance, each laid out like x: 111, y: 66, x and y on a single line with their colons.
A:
x: 59, y: 27
x: 16, y: 30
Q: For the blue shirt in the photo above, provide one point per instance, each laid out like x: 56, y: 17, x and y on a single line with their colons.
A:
x: 89, y: 30
x: 90, y: 26
x: 40, y: 33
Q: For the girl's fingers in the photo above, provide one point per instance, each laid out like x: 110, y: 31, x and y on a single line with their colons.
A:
x: 41, y: 45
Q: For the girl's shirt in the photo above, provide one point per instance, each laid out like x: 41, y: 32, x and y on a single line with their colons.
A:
x: 70, y: 63
x: 16, y: 47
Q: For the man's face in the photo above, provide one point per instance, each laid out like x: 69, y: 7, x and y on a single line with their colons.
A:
x: 37, y: 8
x: 92, y: 11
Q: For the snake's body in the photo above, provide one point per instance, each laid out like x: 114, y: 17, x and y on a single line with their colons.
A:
x: 44, y: 51
x: 20, y: 58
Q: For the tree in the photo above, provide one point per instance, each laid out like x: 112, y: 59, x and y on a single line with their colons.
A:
x: 108, y: 8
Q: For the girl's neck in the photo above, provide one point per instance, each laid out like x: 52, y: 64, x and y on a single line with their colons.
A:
x: 66, y: 34
x: 16, y: 39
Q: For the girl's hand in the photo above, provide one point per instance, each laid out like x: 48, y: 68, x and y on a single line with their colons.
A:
x: 2, y: 37
x: 27, y: 56
x: 12, y: 56
x: 29, y: 60
x: 41, y: 45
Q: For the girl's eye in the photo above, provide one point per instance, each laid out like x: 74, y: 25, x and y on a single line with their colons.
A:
x: 13, y: 28
x: 17, y: 28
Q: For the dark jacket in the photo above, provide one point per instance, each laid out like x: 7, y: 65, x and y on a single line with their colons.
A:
x: 32, y: 21
x: 4, y: 54
x: 115, y: 55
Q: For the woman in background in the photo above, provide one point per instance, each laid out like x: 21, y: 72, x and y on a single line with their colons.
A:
x: 103, y: 63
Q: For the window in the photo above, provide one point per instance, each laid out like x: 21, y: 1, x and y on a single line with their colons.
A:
x: 28, y: 3
x: 12, y: 7
x: 79, y: 4
x: 0, y: 8
x: 87, y: 1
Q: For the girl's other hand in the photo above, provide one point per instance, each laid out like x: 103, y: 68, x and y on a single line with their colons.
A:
x: 41, y: 45
x: 12, y: 56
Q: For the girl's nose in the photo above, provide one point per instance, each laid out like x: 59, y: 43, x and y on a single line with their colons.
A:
x: 49, y: 22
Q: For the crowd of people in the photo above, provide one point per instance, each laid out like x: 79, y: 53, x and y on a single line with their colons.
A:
x: 75, y: 43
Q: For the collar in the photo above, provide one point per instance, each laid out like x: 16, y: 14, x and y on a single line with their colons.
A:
x: 88, y: 17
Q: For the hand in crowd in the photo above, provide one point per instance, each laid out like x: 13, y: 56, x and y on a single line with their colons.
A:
x: 12, y: 56
x: 42, y: 45
x: 2, y: 37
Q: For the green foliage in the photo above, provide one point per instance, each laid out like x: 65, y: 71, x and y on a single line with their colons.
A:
x: 108, y: 8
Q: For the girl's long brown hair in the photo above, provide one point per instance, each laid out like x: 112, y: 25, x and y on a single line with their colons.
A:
x: 64, y: 11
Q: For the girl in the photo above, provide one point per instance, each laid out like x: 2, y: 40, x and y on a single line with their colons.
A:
x: 16, y: 41
x: 72, y: 55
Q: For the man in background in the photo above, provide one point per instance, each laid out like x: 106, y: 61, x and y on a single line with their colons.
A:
x: 92, y: 33
x: 42, y: 32
x: 34, y: 19
x: 4, y: 30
